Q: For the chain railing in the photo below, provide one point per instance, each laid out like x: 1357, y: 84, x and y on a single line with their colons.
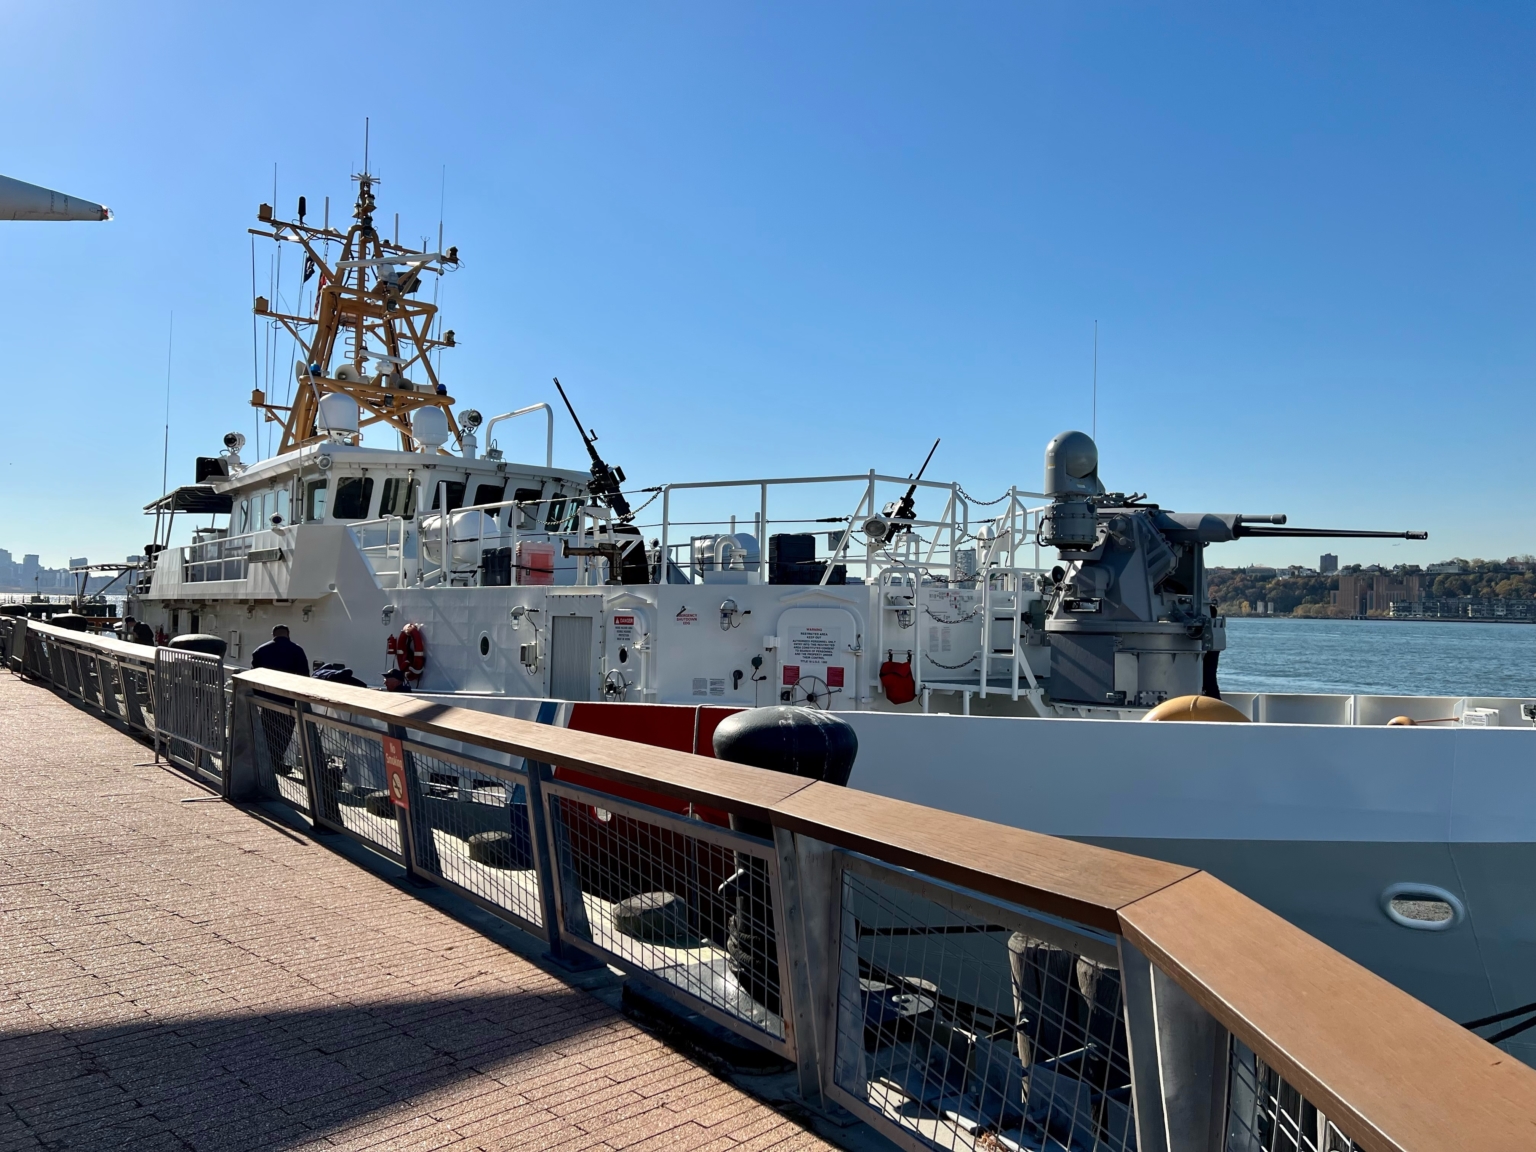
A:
x: 952, y: 983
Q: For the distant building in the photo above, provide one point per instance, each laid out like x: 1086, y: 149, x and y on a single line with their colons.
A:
x: 1449, y: 567
x: 1363, y: 593
x: 1298, y: 570
x: 1328, y: 564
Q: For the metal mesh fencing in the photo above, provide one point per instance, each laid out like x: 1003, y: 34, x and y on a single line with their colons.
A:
x: 351, y: 789
x: 139, y: 696
x: 473, y: 829
x: 79, y: 666
x: 279, y: 753
x: 90, y: 680
x: 69, y: 661
x: 676, y: 901
x: 190, y: 709
x: 1266, y: 1114
x: 967, y: 1026
x: 109, y: 684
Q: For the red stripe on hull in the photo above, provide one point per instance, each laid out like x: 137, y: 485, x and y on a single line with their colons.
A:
x: 680, y: 727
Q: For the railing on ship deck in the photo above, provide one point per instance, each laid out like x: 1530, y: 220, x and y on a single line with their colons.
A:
x: 431, y: 548
x: 955, y: 984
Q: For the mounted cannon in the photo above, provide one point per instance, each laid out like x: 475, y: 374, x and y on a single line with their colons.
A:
x: 1129, y: 619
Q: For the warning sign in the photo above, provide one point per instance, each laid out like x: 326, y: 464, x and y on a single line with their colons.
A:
x: 835, y: 676
x: 394, y: 769
x: 815, y: 644
x: 624, y: 630
x: 791, y: 673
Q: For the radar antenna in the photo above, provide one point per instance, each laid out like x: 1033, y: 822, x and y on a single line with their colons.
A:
x: 368, y: 337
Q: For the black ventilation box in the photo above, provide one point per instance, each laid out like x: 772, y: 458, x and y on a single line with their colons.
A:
x: 792, y: 560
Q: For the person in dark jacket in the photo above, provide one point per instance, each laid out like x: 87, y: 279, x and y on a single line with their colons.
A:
x: 137, y: 632
x: 281, y: 654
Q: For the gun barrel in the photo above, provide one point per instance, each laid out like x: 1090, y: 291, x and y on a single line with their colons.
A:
x: 580, y: 431
x: 1277, y: 518
x: 1244, y: 529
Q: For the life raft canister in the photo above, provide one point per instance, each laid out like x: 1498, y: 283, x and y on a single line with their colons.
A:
x: 896, y: 679
x: 409, y: 650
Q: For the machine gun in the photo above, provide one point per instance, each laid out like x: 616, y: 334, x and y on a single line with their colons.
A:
x: 897, y: 516
x: 606, y: 481
x: 1130, y: 620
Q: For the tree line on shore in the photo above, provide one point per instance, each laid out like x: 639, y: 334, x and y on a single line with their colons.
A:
x: 1240, y: 590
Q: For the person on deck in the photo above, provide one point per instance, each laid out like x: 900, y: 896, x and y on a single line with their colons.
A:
x: 281, y: 654
x: 394, y: 681
x: 137, y: 632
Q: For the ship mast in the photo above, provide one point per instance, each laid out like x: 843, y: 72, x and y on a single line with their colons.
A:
x: 368, y: 334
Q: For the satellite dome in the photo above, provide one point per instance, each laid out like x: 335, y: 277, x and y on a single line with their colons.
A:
x: 1072, y: 466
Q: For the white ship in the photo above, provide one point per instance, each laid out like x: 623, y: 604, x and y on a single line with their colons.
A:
x: 978, y: 649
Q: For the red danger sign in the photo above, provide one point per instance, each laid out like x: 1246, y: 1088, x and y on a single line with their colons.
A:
x: 835, y: 676
x: 791, y: 673
x: 394, y: 769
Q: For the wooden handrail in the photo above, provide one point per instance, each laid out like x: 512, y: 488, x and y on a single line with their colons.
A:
x: 1390, y: 1071
x: 1063, y: 877
x: 141, y: 652
x: 715, y: 783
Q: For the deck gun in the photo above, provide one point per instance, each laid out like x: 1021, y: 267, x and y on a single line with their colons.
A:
x: 897, y: 516
x: 606, y: 481
x: 1129, y: 617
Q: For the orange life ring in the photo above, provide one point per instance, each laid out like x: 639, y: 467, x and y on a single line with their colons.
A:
x: 409, y: 650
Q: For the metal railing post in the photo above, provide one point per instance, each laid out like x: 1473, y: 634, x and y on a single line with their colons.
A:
x: 1179, y: 1059
x: 242, y: 775
x: 417, y: 843
x: 809, y: 900
x: 322, y: 793
x: 546, y: 858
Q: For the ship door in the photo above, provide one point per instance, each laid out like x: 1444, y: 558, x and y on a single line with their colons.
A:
x: 570, y: 657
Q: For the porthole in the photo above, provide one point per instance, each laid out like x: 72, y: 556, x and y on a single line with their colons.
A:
x: 485, y: 645
x: 1422, y: 907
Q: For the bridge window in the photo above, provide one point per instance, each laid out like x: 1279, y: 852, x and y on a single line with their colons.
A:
x: 490, y: 493
x: 528, y: 513
x: 353, y: 495
x: 455, y: 494
x: 314, y: 500
x: 399, y: 498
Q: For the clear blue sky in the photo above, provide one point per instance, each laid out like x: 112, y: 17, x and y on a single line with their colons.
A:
x: 781, y: 239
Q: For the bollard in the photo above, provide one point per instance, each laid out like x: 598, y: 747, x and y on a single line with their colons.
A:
x: 801, y: 742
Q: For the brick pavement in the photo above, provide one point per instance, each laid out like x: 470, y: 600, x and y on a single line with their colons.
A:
x: 183, y: 976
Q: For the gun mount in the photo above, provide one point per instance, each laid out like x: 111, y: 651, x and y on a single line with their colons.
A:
x: 1129, y: 618
x: 606, y: 481
x: 897, y: 516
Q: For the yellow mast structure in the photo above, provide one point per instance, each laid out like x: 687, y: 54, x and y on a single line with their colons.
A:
x: 368, y: 334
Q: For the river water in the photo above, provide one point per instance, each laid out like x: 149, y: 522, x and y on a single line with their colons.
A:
x: 1379, y: 657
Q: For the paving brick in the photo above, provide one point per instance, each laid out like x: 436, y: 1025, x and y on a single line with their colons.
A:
x: 182, y: 976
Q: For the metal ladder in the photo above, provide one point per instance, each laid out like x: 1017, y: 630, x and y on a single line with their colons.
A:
x: 1002, y: 603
